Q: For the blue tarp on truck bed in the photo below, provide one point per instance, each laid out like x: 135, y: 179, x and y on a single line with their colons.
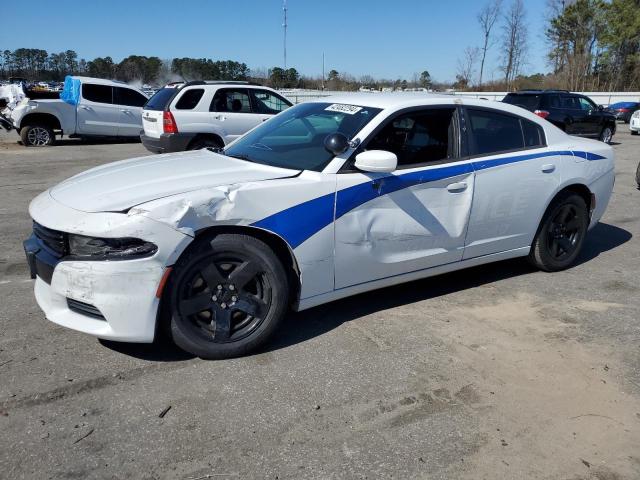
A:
x: 71, y: 91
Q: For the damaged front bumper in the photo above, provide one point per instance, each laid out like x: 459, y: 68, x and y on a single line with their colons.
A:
x: 110, y: 299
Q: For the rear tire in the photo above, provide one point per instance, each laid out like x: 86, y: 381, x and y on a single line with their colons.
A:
x: 37, y: 135
x: 561, y: 233
x: 606, y: 135
x: 201, y: 143
x: 638, y: 175
x: 227, y: 296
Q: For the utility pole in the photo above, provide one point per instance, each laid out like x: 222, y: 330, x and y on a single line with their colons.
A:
x: 323, y: 71
x: 284, y: 26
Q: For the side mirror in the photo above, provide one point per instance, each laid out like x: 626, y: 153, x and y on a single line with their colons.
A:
x: 600, y: 107
x: 336, y: 143
x: 376, y: 161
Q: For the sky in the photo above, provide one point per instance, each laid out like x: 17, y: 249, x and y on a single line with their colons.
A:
x: 385, y: 39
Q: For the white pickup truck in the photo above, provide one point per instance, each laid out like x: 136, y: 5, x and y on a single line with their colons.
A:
x: 88, y: 107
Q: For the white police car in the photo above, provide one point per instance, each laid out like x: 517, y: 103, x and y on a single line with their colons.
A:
x: 328, y: 199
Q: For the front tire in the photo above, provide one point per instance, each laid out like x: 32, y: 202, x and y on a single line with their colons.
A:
x: 561, y: 233
x: 37, y: 135
x: 227, y: 296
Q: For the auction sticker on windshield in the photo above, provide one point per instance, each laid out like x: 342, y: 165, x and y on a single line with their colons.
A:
x: 339, y: 107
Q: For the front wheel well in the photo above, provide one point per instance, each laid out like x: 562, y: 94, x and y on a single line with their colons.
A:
x: 277, y: 244
x: 41, y: 119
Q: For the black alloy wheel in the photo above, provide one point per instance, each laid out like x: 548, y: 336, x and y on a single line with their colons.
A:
x: 561, y: 233
x: 227, y: 297
x: 564, y: 232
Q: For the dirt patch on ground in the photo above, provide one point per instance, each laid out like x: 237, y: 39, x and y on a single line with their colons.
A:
x: 553, y: 407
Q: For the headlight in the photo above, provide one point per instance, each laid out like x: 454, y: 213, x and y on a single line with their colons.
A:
x: 92, y: 248
x: 636, y: 114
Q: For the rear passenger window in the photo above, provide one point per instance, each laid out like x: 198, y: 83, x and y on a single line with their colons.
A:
x: 231, y: 100
x: 533, y: 134
x: 569, y: 102
x: 97, y: 93
x: 190, y: 99
x: 128, y: 97
x: 551, y: 101
x: 494, y: 132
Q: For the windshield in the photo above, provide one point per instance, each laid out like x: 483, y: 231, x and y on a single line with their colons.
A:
x: 295, y: 138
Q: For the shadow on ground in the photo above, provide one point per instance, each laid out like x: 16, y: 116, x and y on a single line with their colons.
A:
x: 161, y: 350
x: 303, y: 326
x: 66, y: 141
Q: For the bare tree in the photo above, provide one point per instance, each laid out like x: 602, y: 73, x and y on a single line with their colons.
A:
x: 487, y: 19
x: 514, y: 41
x: 467, y: 67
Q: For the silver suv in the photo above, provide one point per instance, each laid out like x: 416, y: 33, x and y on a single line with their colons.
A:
x: 194, y: 115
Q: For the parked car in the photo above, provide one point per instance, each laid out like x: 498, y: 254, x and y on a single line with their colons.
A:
x: 574, y: 113
x: 92, y: 107
x: 194, y: 115
x: 331, y: 198
x: 623, y: 110
x: 634, y: 123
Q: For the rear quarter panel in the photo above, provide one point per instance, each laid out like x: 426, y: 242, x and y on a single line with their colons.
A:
x: 64, y: 112
x: 593, y: 166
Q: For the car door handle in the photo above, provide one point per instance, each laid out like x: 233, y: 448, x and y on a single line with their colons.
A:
x: 220, y: 117
x: 548, y: 168
x: 84, y: 107
x: 124, y: 110
x: 457, y: 187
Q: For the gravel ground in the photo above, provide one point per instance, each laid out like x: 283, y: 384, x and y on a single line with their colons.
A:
x: 497, y: 372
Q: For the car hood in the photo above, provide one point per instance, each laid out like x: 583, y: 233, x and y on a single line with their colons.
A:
x: 118, y: 186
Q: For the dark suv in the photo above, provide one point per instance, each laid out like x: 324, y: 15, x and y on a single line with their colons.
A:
x: 574, y: 113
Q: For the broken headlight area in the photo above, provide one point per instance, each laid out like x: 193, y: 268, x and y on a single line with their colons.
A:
x: 93, y: 248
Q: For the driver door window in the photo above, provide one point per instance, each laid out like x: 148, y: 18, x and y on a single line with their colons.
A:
x: 419, y: 138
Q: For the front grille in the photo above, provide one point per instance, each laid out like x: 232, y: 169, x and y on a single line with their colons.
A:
x: 53, y: 240
x: 84, y: 309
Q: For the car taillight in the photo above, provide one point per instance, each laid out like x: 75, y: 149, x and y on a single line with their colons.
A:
x: 542, y: 113
x: 169, y: 123
x: 623, y: 109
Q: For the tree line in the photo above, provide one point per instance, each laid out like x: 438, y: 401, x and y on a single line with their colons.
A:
x: 591, y: 45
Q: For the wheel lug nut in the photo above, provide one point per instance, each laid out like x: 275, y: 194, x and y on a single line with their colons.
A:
x: 224, y: 305
x: 214, y: 298
x: 219, y: 287
x: 234, y: 298
x: 232, y: 287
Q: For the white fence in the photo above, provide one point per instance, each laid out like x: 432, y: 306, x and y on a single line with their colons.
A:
x: 601, y: 98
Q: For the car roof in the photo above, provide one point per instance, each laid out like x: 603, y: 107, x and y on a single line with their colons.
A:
x: 400, y: 100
